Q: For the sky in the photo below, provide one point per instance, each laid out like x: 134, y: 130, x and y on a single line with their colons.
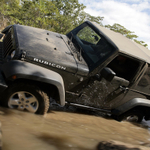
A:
x: 134, y: 15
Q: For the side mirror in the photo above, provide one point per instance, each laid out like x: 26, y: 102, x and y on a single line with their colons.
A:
x: 107, y: 74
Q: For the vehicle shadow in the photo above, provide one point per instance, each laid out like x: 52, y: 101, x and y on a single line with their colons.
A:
x: 59, y: 142
x: 5, y: 111
x: 62, y: 143
x: 112, y: 146
x: 144, y: 124
x: 72, y: 109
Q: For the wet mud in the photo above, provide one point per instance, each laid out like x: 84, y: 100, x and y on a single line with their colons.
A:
x: 70, y: 129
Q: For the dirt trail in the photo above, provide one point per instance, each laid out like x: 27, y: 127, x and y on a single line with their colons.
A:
x: 69, y: 131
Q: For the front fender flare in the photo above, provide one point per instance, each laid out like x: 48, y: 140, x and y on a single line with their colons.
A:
x: 30, y: 71
x: 129, y: 105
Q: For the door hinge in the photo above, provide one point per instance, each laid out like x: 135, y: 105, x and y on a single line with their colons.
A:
x: 124, y: 89
x: 23, y: 55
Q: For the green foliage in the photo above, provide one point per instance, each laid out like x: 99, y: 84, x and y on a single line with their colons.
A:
x: 85, y: 16
x: 36, y: 13
x: 55, y: 15
x: 61, y: 16
x: 121, y: 29
x: 67, y: 18
x: 88, y: 35
x: 141, y: 43
x: 7, y: 9
x: 127, y: 33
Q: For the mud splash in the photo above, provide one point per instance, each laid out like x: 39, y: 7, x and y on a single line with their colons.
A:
x: 69, y: 130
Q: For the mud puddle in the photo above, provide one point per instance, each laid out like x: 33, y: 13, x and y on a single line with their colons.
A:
x: 70, y: 130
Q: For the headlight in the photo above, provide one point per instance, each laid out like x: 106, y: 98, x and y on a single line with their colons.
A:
x: 12, y: 54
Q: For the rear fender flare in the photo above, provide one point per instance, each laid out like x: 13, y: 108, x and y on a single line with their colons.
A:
x: 130, y: 105
x: 34, y: 72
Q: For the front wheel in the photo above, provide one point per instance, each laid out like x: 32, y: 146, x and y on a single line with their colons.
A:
x: 28, y: 97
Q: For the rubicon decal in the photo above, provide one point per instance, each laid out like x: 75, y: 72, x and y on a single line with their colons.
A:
x: 49, y: 64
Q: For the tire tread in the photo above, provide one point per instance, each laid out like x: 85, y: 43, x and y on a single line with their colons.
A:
x: 42, y: 93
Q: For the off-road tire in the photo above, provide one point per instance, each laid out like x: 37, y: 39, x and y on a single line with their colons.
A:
x: 39, y: 94
x: 138, y: 114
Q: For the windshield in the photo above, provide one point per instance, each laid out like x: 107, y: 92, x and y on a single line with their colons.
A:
x: 95, y: 48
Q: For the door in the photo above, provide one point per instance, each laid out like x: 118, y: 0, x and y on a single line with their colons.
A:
x: 101, y: 94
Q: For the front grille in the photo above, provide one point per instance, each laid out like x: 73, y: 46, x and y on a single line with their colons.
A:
x: 8, y: 44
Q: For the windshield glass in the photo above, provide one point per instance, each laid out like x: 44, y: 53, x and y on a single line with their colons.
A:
x: 95, y: 48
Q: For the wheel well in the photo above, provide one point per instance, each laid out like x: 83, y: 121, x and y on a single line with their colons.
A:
x: 143, y: 109
x: 50, y: 89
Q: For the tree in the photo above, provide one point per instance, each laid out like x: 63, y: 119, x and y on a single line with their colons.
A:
x: 85, y: 16
x: 71, y: 14
x: 55, y: 15
x: 68, y: 17
x: 8, y: 8
x: 37, y: 13
x: 141, y: 43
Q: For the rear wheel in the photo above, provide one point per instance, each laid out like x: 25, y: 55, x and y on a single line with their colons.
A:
x: 132, y: 116
x: 28, y: 97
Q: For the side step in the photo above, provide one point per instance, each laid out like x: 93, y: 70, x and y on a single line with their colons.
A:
x: 89, y: 107
x: 53, y: 103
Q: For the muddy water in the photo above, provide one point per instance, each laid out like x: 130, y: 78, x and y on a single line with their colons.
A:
x: 63, y: 130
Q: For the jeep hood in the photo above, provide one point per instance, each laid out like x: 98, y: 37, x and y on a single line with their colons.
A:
x: 44, y: 47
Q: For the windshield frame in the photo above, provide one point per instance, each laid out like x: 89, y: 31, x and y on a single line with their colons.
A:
x: 89, y: 62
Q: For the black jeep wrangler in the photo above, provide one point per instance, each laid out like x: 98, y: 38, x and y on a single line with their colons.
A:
x: 90, y: 67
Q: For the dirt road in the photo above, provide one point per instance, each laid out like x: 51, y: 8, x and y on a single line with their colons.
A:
x: 61, y: 130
